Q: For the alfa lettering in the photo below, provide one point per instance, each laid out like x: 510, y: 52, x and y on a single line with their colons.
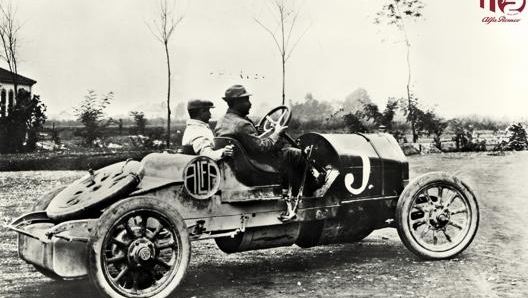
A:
x: 201, y: 178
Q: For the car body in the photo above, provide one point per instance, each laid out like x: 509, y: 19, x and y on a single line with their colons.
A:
x: 129, y: 226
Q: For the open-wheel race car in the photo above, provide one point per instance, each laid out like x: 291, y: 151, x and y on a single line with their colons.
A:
x: 129, y: 226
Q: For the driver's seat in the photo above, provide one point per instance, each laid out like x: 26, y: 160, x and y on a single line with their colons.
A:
x: 248, y: 170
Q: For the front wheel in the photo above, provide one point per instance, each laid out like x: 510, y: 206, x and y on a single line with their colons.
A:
x: 139, y: 248
x: 437, y: 216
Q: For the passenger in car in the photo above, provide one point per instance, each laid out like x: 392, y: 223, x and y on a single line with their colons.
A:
x: 236, y: 124
x: 198, y: 136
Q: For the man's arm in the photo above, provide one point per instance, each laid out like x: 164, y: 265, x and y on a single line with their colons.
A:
x: 204, y: 146
x: 247, y: 135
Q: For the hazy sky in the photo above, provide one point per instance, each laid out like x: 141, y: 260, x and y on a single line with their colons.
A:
x: 460, y: 64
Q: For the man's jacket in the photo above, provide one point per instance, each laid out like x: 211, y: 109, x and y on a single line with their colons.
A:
x: 242, y: 128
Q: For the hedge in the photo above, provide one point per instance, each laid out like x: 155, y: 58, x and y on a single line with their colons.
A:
x: 65, y: 161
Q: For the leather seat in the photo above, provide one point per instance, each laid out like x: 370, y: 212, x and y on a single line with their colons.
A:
x: 248, y: 170
x: 188, y: 149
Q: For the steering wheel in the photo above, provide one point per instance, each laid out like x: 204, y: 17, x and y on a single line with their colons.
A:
x: 280, y: 115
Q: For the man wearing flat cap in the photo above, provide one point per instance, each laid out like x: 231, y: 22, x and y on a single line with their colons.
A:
x: 236, y: 124
x: 198, y: 135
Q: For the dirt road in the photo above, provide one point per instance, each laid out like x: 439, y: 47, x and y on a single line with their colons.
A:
x: 495, y: 265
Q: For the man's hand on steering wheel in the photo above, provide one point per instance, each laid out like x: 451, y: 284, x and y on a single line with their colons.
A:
x: 276, y: 128
x: 280, y: 115
x: 279, y: 129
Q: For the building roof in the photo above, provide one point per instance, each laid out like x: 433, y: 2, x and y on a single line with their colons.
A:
x: 7, y: 77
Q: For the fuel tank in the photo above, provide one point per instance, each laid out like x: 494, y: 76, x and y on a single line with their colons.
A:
x: 260, y: 238
x: 166, y: 165
x: 352, y: 223
x: 370, y: 165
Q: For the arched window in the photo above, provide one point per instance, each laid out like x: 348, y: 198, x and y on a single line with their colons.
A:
x: 11, y: 98
x: 3, y: 102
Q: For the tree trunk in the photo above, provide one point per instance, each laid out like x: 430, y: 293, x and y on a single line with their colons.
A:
x: 283, y: 55
x: 168, y: 95
x: 409, y: 96
x: 411, y: 114
x: 283, y: 80
x: 408, y: 54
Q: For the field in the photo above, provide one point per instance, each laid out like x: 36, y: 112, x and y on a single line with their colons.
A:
x: 495, y: 265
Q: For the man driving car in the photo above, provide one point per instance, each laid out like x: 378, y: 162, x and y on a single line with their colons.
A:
x: 236, y: 124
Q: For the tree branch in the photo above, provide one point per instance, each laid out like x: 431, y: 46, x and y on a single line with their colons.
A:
x: 271, y: 33
x: 296, y: 42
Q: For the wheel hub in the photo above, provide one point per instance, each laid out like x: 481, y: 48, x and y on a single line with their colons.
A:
x: 439, y: 218
x: 141, y: 252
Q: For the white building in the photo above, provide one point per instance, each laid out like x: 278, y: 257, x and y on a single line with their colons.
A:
x: 7, y: 89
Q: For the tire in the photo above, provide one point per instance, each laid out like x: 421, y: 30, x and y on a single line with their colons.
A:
x: 40, y: 205
x: 437, y: 216
x: 139, y: 248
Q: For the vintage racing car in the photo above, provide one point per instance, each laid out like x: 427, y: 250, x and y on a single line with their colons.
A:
x: 129, y: 226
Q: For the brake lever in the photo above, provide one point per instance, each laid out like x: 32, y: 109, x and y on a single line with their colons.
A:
x: 291, y: 140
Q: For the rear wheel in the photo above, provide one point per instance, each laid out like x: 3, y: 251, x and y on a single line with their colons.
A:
x: 437, y: 216
x: 139, y: 248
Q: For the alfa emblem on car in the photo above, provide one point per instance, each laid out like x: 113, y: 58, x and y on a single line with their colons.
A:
x: 201, y: 177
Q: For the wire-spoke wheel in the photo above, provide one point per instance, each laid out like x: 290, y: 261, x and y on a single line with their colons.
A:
x: 437, y: 216
x: 139, y: 248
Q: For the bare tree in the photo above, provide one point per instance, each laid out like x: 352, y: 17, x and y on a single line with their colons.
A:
x: 396, y: 12
x: 285, y: 14
x: 163, y: 29
x: 8, y: 34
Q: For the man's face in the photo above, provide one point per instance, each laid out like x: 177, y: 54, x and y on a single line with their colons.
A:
x: 243, y: 105
x: 205, y: 115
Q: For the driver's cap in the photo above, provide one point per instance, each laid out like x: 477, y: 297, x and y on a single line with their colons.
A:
x: 199, y: 104
x: 235, y: 91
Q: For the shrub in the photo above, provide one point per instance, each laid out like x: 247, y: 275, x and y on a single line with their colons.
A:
x: 91, y: 113
x: 464, y: 137
x: 354, y: 123
x: 140, y: 121
x: 517, y: 141
x: 25, y: 118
